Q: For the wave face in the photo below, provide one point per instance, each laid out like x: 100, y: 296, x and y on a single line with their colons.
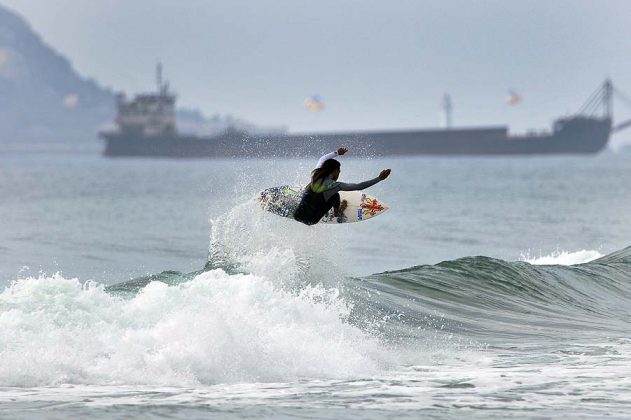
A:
x: 494, y: 300
x: 270, y: 306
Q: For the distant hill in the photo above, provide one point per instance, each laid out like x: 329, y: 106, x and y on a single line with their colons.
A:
x: 44, y: 103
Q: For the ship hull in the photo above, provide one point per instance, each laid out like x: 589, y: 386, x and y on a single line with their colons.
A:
x: 579, y: 135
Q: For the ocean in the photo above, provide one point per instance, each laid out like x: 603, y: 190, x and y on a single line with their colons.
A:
x: 140, y: 288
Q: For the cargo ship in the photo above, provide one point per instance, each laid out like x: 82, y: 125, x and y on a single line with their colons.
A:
x: 146, y: 127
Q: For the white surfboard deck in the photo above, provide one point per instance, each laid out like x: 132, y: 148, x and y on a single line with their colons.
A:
x: 283, y: 201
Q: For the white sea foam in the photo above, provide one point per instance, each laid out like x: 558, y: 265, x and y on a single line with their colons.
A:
x: 563, y: 258
x: 216, y: 328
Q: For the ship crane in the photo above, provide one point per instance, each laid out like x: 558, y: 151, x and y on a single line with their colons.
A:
x: 601, y: 102
x: 621, y: 126
x: 625, y: 124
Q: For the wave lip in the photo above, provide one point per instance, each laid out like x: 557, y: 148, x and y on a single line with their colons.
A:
x: 564, y: 258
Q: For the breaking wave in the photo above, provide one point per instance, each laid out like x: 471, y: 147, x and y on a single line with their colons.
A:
x: 269, y: 306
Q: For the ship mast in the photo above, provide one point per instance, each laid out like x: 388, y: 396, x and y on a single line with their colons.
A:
x: 159, y: 77
x: 447, y: 108
x: 608, y: 99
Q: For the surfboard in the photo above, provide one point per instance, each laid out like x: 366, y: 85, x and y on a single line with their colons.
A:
x: 283, y: 200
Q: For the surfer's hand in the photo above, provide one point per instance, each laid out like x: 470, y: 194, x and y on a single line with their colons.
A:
x: 384, y: 174
x: 342, y: 150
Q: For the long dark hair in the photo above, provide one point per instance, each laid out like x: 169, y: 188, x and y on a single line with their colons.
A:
x: 325, y: 170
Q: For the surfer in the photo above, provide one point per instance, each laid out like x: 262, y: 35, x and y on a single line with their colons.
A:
x: 322, y: 193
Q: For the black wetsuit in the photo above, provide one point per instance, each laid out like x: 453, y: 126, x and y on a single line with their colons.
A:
x: 314, y: 206
x: 318, y: 199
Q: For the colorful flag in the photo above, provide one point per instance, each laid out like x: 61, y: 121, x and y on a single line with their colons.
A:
x: 314, y: 103
x: 513, y: 98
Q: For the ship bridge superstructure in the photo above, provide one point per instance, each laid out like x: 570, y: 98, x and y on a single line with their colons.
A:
x: 148, y: 114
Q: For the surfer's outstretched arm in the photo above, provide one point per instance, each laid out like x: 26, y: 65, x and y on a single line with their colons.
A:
x: 338, y: 152
x: 343, y: 186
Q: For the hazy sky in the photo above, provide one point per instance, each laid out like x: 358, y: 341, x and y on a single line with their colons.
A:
x: 377, y: 64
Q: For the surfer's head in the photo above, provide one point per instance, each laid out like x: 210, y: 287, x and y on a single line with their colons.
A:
x: 330, y: 167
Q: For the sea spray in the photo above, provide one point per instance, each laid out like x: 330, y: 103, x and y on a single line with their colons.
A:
x: 248, y: 239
